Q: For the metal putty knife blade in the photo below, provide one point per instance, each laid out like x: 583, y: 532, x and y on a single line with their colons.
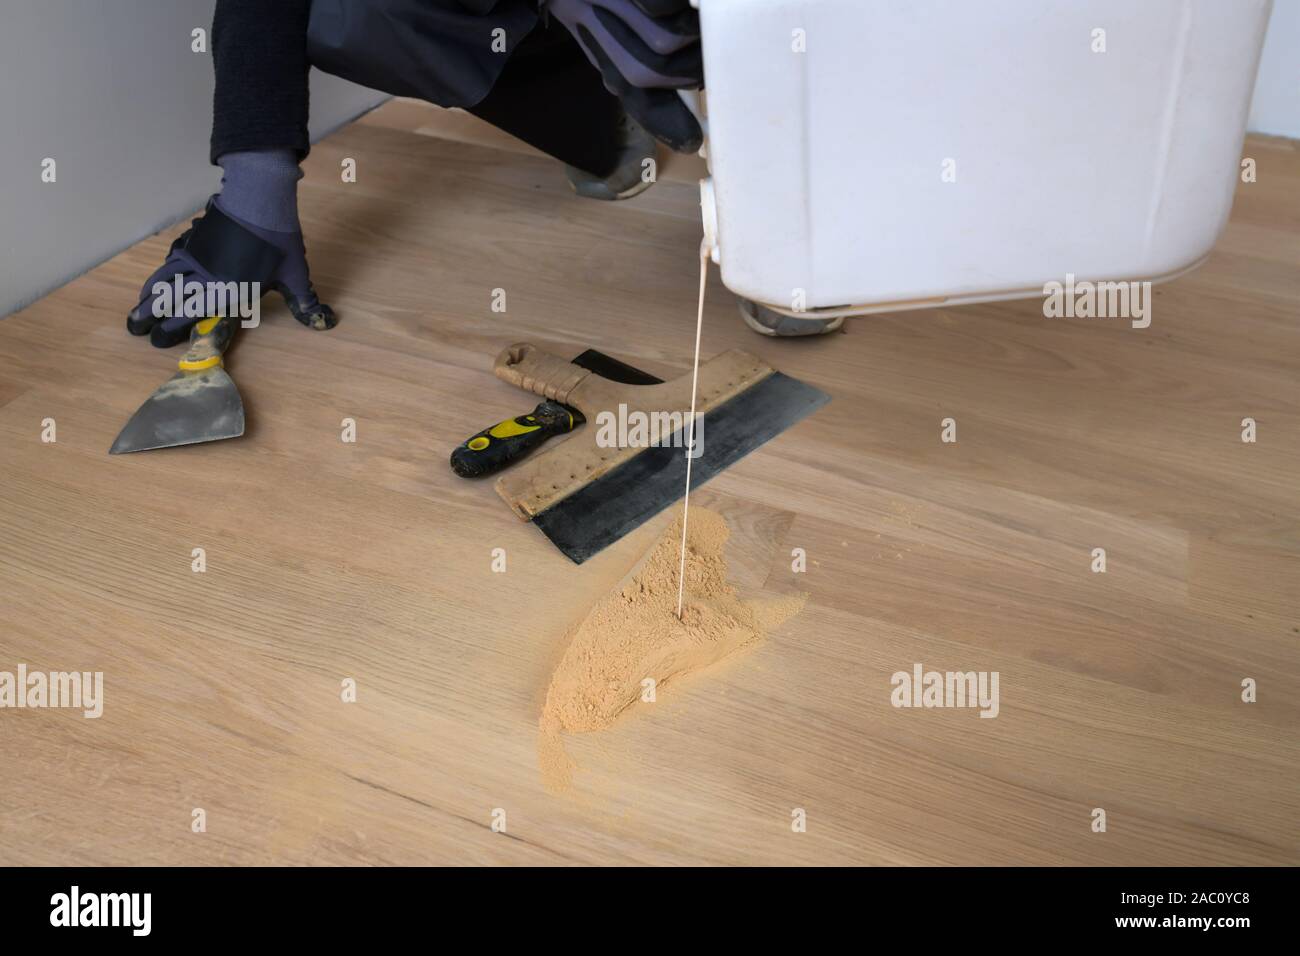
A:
x: 190, y: 407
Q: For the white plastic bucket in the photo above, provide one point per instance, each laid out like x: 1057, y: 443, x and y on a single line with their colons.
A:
x: 888, y: 154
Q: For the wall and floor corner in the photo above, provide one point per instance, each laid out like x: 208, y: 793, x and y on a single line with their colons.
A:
x: 81, y: 85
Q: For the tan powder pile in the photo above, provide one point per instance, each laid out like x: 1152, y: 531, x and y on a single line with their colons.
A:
x: 634, y: 634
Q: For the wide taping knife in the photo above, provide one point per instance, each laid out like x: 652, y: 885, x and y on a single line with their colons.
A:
x: 492, y: 449
x: 584, y: 494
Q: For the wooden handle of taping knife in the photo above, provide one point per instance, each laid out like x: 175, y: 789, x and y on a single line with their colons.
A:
x: 526, y: 366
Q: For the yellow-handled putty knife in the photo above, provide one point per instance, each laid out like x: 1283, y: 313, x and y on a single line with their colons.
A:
x: 199, y: 403
x: 492, y: 449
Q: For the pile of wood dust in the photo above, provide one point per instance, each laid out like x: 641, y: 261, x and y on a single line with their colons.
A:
x: 634, y: 634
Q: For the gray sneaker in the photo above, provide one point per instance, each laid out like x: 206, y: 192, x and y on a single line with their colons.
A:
x: 767, y: 321
x: 626, y: 180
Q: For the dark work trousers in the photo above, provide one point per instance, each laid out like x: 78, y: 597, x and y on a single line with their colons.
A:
x: 548, y: 94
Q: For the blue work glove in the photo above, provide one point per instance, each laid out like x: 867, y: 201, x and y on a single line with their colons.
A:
x: 222, y: 249
x: 645, y: 51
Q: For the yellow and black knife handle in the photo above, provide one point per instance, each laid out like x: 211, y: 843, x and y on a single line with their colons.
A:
x: 209, y: 338
x: 493, y: 448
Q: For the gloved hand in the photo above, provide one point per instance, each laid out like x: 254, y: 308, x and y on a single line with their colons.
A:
x: 645, y: 50
x: 219, y: 248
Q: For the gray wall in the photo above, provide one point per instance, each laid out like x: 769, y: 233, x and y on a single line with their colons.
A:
x: 1276, y: 107
x: 112, y: 92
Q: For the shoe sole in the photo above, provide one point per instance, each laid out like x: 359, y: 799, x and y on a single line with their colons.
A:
x: 775, y: 324
x: 598, y: 189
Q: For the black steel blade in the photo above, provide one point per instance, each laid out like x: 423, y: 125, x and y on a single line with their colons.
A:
x: 601, y: 512
x: 611, y: 368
